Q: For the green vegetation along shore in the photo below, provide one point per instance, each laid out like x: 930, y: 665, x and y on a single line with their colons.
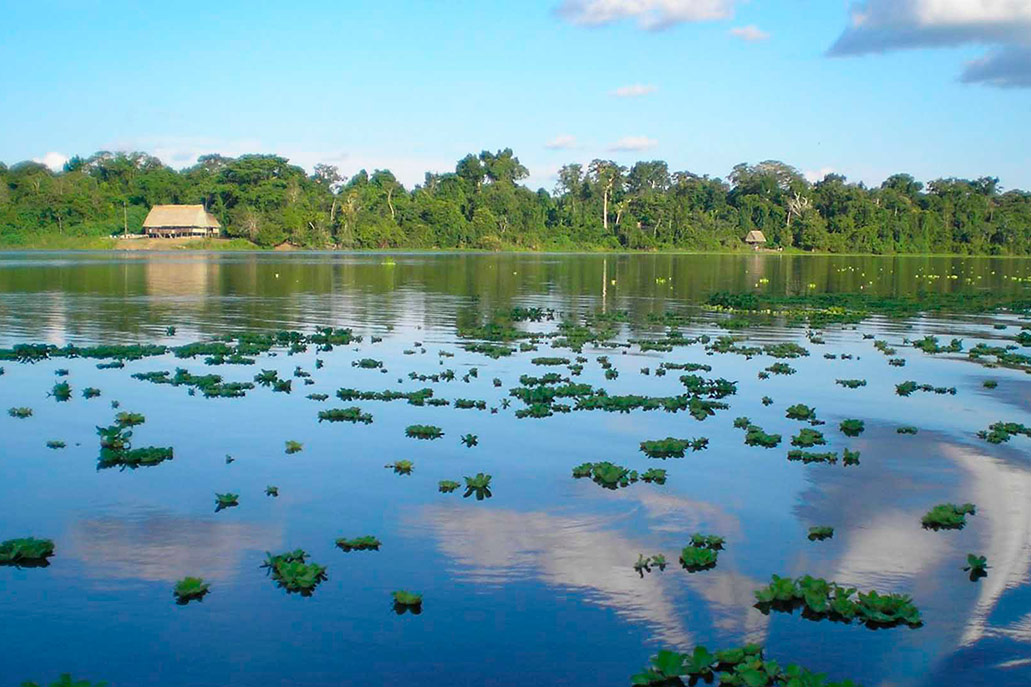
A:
x: 264, y: 202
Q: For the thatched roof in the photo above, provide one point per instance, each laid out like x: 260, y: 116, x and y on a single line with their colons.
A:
x: 180, y: 216
x: 754, y: 236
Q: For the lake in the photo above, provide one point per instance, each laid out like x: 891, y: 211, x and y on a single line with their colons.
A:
x: 534, y: 584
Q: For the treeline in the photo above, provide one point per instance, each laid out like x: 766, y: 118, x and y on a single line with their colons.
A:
x: 482, y: 205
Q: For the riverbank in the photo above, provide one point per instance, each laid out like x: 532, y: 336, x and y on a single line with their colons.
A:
x: 83, y: 243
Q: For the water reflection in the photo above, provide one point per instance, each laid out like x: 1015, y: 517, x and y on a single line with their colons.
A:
x: 159, y: 546
x: 588, y: 553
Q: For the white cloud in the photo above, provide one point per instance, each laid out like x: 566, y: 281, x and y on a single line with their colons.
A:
x: 561, y: 142
x: 1006, y: 68
x: 750, y: 33
x: 651, y: 15
x: 878, y: 26
x: 54, y: 161
x: 629, y: 143
x: 814, y: 175
x: 634, y: 90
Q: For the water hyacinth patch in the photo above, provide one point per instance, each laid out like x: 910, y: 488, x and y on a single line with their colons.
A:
x: 1000, y: 432
x: 906, y: 429
x: 368, y: 364
x: 671, y: 447
x: 907, y: 388
x: 820, y: 533
x: 292, y: 572
x: 423, y: 432
x: 90, y: 392
x: 822, y: 599
x: 807, y: 438
x: 401, y: 467
x: 780, y: 369
x: 317, y: 397
x: 62, y: 391
x: 852, y: 428
x: 546, y: 361
x: 828, y: 457
x: 479, y: 485
x: 989, y: 384
x: 701, y: 553
x: 644, y: 563
x: 786, y: 349
x: 292, y: 447
x: 767, y: 401
x: 977, y: 566
x: 271, y: 490
x: 470, y: 440
x: 27, y: 552
x: 190, y: 589
x: 407, y: 602
x: 353, y: 415
x: 947, y: 516
x: 800, y: 411
x: 608, y: 475
x: 446, y: 486
x: 743, y: 666
x: 226, y: 500
x: 365, y: 543
x: 851, y: 383
x: 850, y: 458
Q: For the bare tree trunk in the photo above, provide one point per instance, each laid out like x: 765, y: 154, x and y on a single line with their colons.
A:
x: 390, y: 192
x: 605, y: 208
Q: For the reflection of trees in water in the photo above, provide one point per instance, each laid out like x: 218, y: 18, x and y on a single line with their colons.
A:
x: 497, y: 546
x: 160, y: 546
x: 113, y: 295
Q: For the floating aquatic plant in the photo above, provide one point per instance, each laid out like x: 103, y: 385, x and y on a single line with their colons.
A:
x: 850, y: 458
x: 742, y: 666
x: 446, y: 486
x: 671, y: 447
x: 470, y: 440
x: 929, y: 344
x: 851, y: 383
x: 62, y: 391
x: 907, y: 388
x: 401, y: 467
x: 989, y: 384
x: 807, y: 438
x: 852, y: 428
x: 807, y: 457
x: 405, y: 601
x: 479, y: 486
x: 800, y: 411
x: 27, y: 552
x: 353, y: 415
x: 292, y: 572
x: 423, y: 432
x: 948, y: 516
x: 608, y: 475
x: 365, y: 543
x: 368, y: 364
x: 999, y: 432
x: 55, y: 444
x: 190, y: 589
x: 767, y: 401
x: 271, y: 490
x: 701, y: 553
x: 226, y: 500
x: 544, y: 360
x: 66, y: 680
x: 906, y: 429
x: 292, y: 446
x: 822, y: 599
x: 977, y: 566
x: 781, y: 369
x: 820, y: 533
x: 90, y: 392
x: 644, y: 563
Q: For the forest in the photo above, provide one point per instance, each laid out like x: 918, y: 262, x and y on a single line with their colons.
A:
x: 266, y: 201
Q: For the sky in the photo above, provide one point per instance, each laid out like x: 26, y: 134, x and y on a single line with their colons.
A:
x: 935, y: 88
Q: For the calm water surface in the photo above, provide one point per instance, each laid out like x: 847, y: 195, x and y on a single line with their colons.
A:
x: 534, y: 586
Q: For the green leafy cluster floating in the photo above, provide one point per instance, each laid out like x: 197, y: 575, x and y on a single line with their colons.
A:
x: 671, y: 447
x: 292, y: 572
x: 948, y: 516
x: 820, y: 599
x: 744, y: 666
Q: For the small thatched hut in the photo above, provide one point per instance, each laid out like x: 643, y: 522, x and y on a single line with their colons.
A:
x: 755, y: 239
x: 166, y: 221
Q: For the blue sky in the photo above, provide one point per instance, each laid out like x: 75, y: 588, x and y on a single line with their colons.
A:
x: 930, y: 87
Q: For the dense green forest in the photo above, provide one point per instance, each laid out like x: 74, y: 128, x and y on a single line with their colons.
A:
x: 481, y: 205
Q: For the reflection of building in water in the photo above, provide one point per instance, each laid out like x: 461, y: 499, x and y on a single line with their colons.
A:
x: 497, y: 546
x: 165, y: 547
x: 180, y: 277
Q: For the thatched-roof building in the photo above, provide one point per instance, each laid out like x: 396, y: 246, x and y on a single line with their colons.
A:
x: 755, y: 239
x: 180, y: 220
